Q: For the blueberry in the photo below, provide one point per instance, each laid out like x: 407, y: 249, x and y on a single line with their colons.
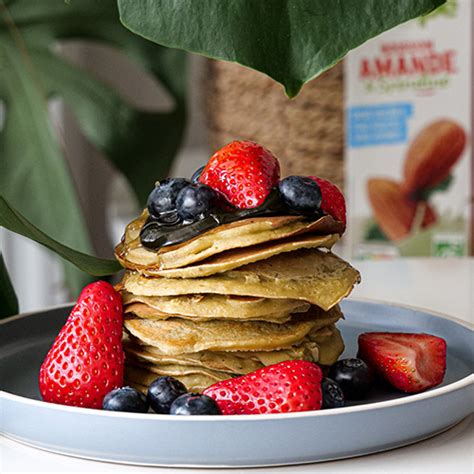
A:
x: 195, y: 201
x: 300, y: 193
x: 332, y: 394
x: 162, y: 392
x: 163, y: 197
x: 194, y: 404
x: 197, y: 174
x: 125, y: 399
x: 353, y: 376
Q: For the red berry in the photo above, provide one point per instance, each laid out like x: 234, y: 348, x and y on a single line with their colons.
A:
x: 333, y: 202
x: 244, y: 172
x: 410, y: 362
x: 293, y: 385
x: 86, y: 359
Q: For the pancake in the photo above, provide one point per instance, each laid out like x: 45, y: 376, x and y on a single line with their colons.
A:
x: 318, y: 277
x: 233, y: 362
x: 323, y: 346
x: 235, y: 258
x: 146, y: 312
x: 220, y: 361
x: 247, y: 232
x: 179, y: 336
x: 330, y: 343
x: 210, y: 306
x: 180, y: 370
x: 142, y: 378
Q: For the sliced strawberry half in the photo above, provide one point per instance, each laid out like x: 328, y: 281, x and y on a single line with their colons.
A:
x: 333, y: 202
x: 293, y: 385
x: 410, y: 362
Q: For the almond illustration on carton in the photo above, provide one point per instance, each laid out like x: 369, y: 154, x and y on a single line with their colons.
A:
x: 394, y: 210
x: 432, y: 154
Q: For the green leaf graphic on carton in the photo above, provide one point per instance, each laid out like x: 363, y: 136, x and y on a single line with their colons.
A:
x: 449, y: 9
x: 426, y: 193
x: 445, y: 238
x: 373, y: 232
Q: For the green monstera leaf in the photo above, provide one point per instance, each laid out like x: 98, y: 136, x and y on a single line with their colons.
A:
x: 292, y: 41
x: 8, y: 299
x: 14, y: 221
x: 141, y: 143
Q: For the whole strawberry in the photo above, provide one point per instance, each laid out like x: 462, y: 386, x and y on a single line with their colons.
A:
x: 289, y: 386
x: 410, y: 362
x: 86, y: 359
x: 244, y: 172
x: 333, y: 202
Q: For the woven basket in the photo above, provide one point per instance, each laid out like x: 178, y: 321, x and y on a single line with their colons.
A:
x: 306, y: 133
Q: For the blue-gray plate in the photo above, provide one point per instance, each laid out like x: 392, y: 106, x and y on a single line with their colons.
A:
x: 386, y: 420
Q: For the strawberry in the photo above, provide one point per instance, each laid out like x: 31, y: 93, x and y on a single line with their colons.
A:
x: 244, y: 172
x: 292, y: 385
x: 333, y: 202
x: 410, y: 362
x: 86, y: 359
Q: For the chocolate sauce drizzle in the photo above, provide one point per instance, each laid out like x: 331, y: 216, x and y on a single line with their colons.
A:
x: 169, y: 229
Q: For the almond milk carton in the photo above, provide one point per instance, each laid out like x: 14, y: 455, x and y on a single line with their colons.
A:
x: 409, y: 167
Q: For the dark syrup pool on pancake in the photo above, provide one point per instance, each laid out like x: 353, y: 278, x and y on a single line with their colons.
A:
x: 170, y: 230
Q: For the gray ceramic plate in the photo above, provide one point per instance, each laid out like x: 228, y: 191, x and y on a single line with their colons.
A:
x: 387, y: 420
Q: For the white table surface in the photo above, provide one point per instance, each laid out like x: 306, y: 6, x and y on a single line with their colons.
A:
x: 445, y: 286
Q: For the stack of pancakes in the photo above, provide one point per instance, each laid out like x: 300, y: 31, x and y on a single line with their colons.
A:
x: 232, y: 300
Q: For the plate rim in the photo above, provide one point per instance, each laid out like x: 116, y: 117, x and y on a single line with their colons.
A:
x: 232, y: 467
x: 413, y: 398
